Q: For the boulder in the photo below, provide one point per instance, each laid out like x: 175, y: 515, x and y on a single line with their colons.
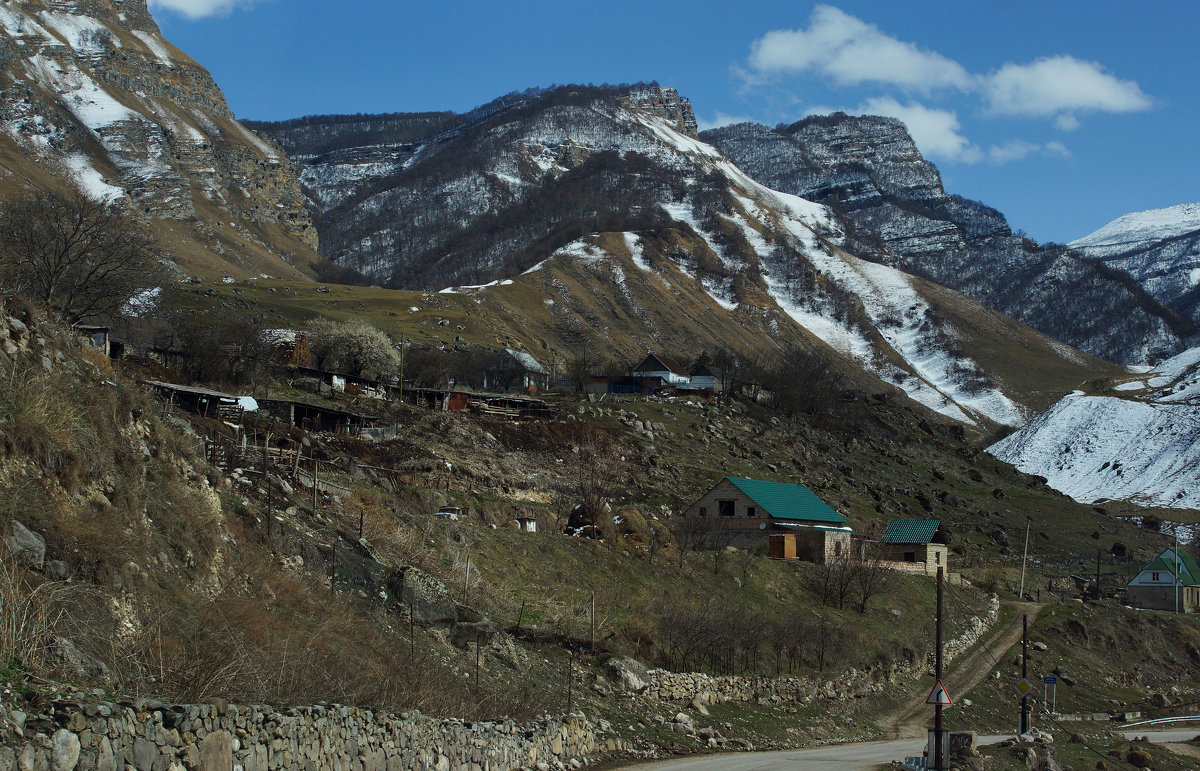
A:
x: 27, y: 547
x: 630, y: 674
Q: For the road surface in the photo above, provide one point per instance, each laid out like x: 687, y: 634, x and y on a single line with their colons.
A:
x: 863, y: 756
x: 840, y: 757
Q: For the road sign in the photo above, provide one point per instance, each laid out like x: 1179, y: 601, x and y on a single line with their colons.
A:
x: 938, y: 695
x: 1050, y: 680
x: 1024, y: 686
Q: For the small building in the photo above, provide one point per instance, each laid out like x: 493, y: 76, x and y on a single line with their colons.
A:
x: 1170, y: 581
x: 516, y: 371
x: 96, y: 337
x: 204, y: 402
x: 912, y: 544
x: 660, y: 367
x: 527, y: 524
x: 746, y: 512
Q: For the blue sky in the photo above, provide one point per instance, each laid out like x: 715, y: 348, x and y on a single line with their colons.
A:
x: 1062, y: 115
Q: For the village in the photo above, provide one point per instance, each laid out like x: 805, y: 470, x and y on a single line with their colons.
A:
x: 781, y: 520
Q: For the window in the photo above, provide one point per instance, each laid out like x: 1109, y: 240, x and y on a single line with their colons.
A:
x: 725, y: 508
x: 910, y: 556
x: 703, y: 511
x: 1154, y: 576
x: 751, y: 511
x: 937, y: 558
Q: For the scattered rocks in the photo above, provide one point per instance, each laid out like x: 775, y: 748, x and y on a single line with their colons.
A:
x: 26, y: 546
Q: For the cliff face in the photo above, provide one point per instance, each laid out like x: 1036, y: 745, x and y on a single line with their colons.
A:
x: 869, y: 170
x: 93, y: 93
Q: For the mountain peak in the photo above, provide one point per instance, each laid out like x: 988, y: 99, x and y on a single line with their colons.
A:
x: 667, y: 104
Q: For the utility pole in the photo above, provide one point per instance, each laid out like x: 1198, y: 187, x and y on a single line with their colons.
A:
x: 1024, y: 726
x: 1099, y: 594
x: 939, y: 734
x: 1176, y: 587
x: 1025, y: 557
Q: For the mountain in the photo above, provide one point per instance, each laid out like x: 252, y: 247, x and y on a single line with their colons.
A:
x: 1139, y: 442
x: 596, y: 218
x: 869, y: 170
x: 92, y: 95
x: 1160, y: 248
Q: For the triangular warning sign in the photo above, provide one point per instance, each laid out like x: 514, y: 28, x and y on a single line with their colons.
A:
x: 938, y: 695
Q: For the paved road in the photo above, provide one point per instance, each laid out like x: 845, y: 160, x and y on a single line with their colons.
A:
x: 863, y: 756
x: 842, y: 757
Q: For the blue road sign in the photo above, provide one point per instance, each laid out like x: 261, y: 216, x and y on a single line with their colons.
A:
x: 1050, y: 680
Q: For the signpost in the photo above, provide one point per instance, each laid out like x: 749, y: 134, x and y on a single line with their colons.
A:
x: 939, y: 737
x: 1052, y: 681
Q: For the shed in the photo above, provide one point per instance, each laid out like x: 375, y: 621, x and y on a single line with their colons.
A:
x: 527, y: 524
x: 1169, y: 581
x: 911, y: 541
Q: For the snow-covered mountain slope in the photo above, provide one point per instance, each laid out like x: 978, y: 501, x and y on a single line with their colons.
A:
x: 1141, y: 444
x: 869, y: 170
x: 1160, y: 248
x: 92, y: 95
x: 607, y: 221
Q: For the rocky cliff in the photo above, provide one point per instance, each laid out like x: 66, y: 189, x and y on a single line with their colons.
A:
x: 595, y: 217
x: 869, y: 170
x: 93, y: 94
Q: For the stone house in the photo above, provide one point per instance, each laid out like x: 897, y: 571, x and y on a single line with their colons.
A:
x: 1169, y: 581
x: 911, y: 543
x: 746, y: 512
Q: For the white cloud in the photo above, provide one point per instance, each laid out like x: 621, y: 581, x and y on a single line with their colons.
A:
x: 721, y: 119
x: 851, y: 52
x: 198, y: 9
x: 1058, y: 87
x: 1066, y: 122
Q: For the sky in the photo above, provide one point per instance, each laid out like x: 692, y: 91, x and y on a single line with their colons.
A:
x: 1062, y: 115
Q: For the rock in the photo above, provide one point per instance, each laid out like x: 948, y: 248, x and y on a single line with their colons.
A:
x: 630, y: 674
x: 64, y: 755
x: 26, y: 546
x: 1039, y: 646
x: 683, y: 717
x: 1138, y: 758
x: 699, y: 707
x: 465, y: 634
x: 57, y: 570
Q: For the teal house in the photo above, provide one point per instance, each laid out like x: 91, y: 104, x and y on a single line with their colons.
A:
x: 750, y: 512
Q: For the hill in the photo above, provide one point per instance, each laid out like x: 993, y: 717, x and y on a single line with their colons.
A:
x: 93, y: 96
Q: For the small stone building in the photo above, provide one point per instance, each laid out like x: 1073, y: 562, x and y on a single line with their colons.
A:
x: 911, y: 544
x: 747, y: 512
x: 1170, y: 578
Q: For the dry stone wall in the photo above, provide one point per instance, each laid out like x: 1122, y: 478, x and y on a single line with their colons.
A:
x: 150, y: 736
x: 852, y: 683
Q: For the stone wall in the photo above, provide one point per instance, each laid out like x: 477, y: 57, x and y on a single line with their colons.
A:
x: 150, y: 736
x: 852, y: 683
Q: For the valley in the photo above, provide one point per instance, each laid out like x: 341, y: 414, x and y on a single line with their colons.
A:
x: 362, y: 471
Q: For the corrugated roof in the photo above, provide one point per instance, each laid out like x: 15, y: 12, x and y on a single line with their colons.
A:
x: 783, y: 500
x: 528, y: 362
x: 911, y: 530
x: 1189, y: 571
x: 667, y: 365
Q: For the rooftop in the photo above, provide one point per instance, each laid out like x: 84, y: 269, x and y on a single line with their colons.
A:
x: 783, y: 500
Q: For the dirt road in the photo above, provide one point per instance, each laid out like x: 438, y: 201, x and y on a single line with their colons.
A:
x: 963, y: 674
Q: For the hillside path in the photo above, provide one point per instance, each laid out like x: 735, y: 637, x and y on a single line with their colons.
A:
x: 964, y: 673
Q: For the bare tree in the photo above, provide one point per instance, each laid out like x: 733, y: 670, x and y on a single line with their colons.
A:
x: 581, y: 367
x: 79, y: 256
x: 871, y: 574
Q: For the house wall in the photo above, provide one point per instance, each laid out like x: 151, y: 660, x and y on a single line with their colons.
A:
x: 929, y: 556
x: 748, y: 531
x: 1163, y: 597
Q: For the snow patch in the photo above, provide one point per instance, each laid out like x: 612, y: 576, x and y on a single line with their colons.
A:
x: 90, y: 181
x: 155, y: 45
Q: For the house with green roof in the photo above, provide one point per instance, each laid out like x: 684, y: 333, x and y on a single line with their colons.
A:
x: 912, y: 545
x: 1170, y: 581
x: 750, y: 512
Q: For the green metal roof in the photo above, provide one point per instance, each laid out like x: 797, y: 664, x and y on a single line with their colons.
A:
x: 782, y: 500
x: 911, y: 530
x: 1189, y: 571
